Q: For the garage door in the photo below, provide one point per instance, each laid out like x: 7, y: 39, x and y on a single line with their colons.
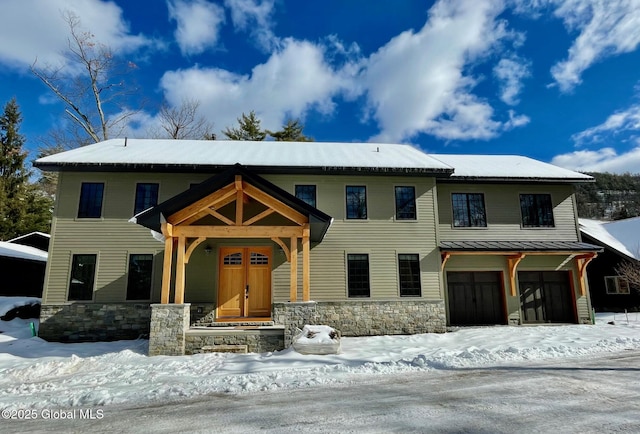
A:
x: 546, y: 297
x: 475, y: 298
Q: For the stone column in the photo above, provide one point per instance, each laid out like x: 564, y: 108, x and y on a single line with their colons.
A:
x: 168, y: 325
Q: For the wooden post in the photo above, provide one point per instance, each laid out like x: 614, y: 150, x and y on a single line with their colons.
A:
x: 166, y: 270
x: 180, y: 269
x: 293, y: 288
x: 306, y: 274
x: 239, y: 200
x: 512, y: 262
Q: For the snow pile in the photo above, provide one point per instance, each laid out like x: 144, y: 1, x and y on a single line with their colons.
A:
x: 22, y: 252
x: 317, y: 339
x: 10, y: 303
x: 39, y: 374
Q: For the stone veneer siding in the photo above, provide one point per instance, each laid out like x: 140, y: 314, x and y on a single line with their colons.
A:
x: 89, y: 322
x: 169, y: 322
x: 257, y: 341
x: 363, y: 317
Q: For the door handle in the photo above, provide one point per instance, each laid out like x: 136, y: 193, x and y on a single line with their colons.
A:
x: 246, y: 291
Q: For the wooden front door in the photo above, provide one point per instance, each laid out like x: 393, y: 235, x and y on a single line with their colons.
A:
x: 244, y: 287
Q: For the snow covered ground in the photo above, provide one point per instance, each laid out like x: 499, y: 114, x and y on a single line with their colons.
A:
x: 37, y: 374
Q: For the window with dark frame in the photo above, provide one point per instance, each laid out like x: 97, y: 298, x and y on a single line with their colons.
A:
x: 537, y: 211
x: 139, y: 277
x: 358, y: 275
x: 617, y: 285
x: 356, y: 197
x: 83, y: 271
x: 146, y: 196
x: 405, y: 203
x: 468, y: 210
x: 307, y: 194
x: 90, y: 205
x: 409, y: 271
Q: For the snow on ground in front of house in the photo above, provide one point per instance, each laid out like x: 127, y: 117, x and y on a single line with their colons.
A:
x: 38, y: 374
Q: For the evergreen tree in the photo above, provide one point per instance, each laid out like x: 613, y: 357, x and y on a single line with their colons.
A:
x: 248, y: 129
x: 23, y: 207
x: 291, y: 132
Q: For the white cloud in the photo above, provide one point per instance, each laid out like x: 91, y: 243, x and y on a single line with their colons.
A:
x: 36, y: 29
x: 198, y: 24
x: 606, y: 28
x: 255, y: 16
x: 292, y: 81
x: 602, y: 160
x: 419, y: 82
x: 511, y: 72
x: 625, y: 120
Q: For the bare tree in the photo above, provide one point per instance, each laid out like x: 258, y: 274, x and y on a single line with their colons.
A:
x: 183, y: 122
x: 89, y: 83
x: 630, y: 270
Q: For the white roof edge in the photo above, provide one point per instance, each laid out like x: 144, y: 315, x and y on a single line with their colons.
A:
x: 29, y: 234
x: 19, y: 251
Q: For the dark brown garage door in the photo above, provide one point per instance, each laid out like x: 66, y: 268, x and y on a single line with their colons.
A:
x: 546, y: 297
x: 475, y: 298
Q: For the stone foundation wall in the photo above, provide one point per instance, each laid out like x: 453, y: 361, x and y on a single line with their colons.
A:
x: 169, y: 322
x: 257, y: 341
x: 364, y: 317
x: 90, y: 322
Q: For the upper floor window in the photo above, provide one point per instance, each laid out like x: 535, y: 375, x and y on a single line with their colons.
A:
x: 358, y: 275
x: 91, y: 200
x: 139, y: 277
x: 616, y: 285
x: 307, y: 193
x: 405, y: 203
x: 537, y: 210
x: 146, y: 197
x: 409, y: 271
x: 356, y: 196
x: 468, y: 210
x: 83, y: 271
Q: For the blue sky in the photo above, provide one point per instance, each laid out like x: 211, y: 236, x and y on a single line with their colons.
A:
x: 556, y: 80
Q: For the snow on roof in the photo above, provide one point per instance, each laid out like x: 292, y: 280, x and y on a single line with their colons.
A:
x: 622, y: 235
x: 507, y: 167
x: 145, y: 152
x: 19, y: 251
x: 30, y: 234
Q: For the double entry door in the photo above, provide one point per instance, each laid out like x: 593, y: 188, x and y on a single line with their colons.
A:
x: 244, y: 285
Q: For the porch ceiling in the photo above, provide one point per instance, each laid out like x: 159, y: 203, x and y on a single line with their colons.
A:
x: 152, y: 218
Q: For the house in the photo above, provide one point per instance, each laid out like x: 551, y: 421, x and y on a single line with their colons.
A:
x: 240, y: 243
x: 23, y: 269
x: 621, y: 242
x: 36, y: 239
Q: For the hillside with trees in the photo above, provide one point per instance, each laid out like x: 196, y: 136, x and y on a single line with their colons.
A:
x: 611, y: 197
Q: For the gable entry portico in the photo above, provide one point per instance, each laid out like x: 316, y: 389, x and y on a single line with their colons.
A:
x: 234, y: 205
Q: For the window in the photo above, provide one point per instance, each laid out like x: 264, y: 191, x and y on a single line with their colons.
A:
x: 409, y: 270
x: 468, y: 210
x: 358, y: 275
x: 616, y: 285
x: 356, y: 202
x: 306, y: 193
x: 139, y: 277
x: 91, y: 200
x: 405, y: 203
x: 146, y: 197
x: 537, y: 210
x: 83, y: 271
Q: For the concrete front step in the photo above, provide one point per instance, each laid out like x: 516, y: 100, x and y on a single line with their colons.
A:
x: 240, y: 324
x: 240, y: 349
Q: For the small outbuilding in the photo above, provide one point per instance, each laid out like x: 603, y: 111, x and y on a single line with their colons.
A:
x: 23, y: 269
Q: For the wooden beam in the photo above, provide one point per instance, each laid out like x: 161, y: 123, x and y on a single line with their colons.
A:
x: 306, y: 271
x: 512, y: 262
x: 192, y: 247
x: 194, y: 218
x: 166, y: 270
x: 284, y: 247
x: 239, y: 201
x: 180, y: 271
x: 293, y: 280
x: 200, y: 205
x: 258, y: 217
x: 445, y: 257
x: 219, y: 216
x: 278, y: 206
x: 237, y: 231
x: 166, y: 229
x: 582, y: 261
x: 222, y: 203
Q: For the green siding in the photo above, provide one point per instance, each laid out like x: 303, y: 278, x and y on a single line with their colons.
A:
x: 502, y: 204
